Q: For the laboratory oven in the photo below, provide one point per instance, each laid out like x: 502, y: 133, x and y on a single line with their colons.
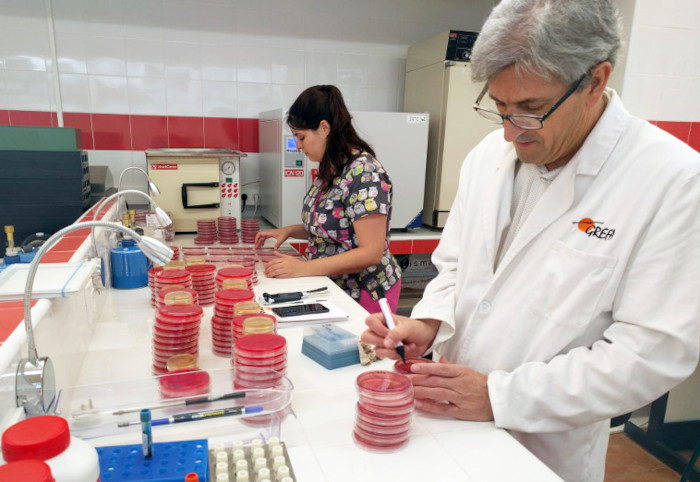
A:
x: 196, y: 184
x: 399, y: 139
x: 438, y: 81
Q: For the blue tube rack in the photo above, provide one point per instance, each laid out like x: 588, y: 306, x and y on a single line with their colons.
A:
x: 171, y: 462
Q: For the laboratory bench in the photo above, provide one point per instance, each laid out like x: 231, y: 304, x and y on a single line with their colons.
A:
x: 105, y: 336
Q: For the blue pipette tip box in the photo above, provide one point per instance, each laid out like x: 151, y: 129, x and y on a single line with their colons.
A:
x: 330, y: 346
x: 171, y: 462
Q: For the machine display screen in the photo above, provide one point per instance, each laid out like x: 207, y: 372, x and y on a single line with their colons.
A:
x: 292, y: 144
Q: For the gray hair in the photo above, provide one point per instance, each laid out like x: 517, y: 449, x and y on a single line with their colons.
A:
x: 554, y: 39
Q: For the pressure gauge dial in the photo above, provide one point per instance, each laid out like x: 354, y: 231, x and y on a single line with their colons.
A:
x: 228, y: 167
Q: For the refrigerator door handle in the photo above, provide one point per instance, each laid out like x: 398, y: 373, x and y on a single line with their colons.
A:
x: 197, y: 184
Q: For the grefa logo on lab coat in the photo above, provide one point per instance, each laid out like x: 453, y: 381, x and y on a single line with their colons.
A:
x: 594, y: 229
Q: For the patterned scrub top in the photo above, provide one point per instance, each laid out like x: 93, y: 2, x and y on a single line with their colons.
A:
x: 363, y: 188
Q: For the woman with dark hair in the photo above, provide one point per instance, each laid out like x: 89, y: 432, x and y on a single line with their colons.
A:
x: 345, y: 215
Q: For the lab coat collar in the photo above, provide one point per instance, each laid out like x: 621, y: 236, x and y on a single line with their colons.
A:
x: 589, y: 159
x: 601, y: 141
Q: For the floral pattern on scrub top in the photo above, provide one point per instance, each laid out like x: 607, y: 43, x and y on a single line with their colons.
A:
x: 363, y: 188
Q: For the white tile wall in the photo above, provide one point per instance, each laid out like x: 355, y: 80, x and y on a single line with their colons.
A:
x: 171, y: 56
x: 236, y: 58
x: 663, y: 61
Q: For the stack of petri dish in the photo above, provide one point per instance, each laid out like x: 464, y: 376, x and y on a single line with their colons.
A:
x: 243, y: 274
x: 266, y: 254
x: 176, y: 296
x: 203, y: 281
x: 384, y: 409
x: 175, y: 331
x: 228, y: 230
x: 152, y: 282
x: 221, y: 330
x: 206, y: 232
x: 247, y: 260
x: 218, y: 254
x: 188, y: 251
x: 260, y: 360
x: 249, y: 228
x: 176, y: 252
x: 169, y: 278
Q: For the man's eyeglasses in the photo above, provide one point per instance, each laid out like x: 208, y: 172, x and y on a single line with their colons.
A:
x: 524, y: 121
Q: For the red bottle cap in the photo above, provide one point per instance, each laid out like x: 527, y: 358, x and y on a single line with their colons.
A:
x: 28, y: 470
x: 42, y: 437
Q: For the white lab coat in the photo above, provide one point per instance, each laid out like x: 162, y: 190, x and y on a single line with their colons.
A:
x: 573, y: 328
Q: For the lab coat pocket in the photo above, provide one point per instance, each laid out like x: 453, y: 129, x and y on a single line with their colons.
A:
x: 570, y: 285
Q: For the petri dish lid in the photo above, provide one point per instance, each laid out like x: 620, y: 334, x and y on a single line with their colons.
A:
x: 234, y: 296
x: 381, y: 382
x: 172, y: 274
x: 234, y: 273
x: 41, y: 437
x: 239, y: 319
x: 184, y: 381
x: 261, y: 343
x: 180, y: 311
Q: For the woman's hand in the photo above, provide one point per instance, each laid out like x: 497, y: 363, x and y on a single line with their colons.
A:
x: 285, y: 266
x: 280, y: 235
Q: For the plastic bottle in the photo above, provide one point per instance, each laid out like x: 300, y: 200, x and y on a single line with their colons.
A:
x: 47, y: 438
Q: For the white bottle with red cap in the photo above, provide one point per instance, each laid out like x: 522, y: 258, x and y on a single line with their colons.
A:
x: 47, y: 438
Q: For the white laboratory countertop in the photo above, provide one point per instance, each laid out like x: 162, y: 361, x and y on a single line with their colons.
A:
x: 319, y: 439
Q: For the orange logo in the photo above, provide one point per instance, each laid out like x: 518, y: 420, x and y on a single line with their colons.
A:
x: 593, y: 229
x: 585, y: 224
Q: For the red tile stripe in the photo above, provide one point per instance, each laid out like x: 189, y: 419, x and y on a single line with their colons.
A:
x: 398, y: 246
x: 124, y: 132
x: 141, y: 132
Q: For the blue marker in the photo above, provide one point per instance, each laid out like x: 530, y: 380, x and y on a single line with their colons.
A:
x: 146, y: 434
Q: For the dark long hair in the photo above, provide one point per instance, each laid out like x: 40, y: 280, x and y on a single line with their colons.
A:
x: 325, y: 102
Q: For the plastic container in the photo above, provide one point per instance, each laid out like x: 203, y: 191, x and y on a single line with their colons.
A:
x: 330, y: 346
x: 47, y: 438
x: 129, y: 266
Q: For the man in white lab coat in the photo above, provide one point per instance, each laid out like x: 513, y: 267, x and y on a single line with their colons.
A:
x: 569, y: 267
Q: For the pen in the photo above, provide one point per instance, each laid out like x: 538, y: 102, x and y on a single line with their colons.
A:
x: 191, y: 401
x: 384, y: 305
x: 146, y: 434
x: 203, y: 415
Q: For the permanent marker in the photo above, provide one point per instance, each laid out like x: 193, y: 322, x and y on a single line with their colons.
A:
x: 386, y: 311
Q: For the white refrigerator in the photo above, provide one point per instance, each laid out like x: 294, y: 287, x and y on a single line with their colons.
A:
x: 399, y: 139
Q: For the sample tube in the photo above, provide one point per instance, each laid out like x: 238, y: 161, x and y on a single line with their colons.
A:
x: 146, y: 434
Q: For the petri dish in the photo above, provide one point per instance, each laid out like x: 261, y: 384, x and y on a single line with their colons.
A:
x: 183, y: 383
x: 182, y: 361
x: 405, y: 368
x: 234, y: 284
x: 178, y: 297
